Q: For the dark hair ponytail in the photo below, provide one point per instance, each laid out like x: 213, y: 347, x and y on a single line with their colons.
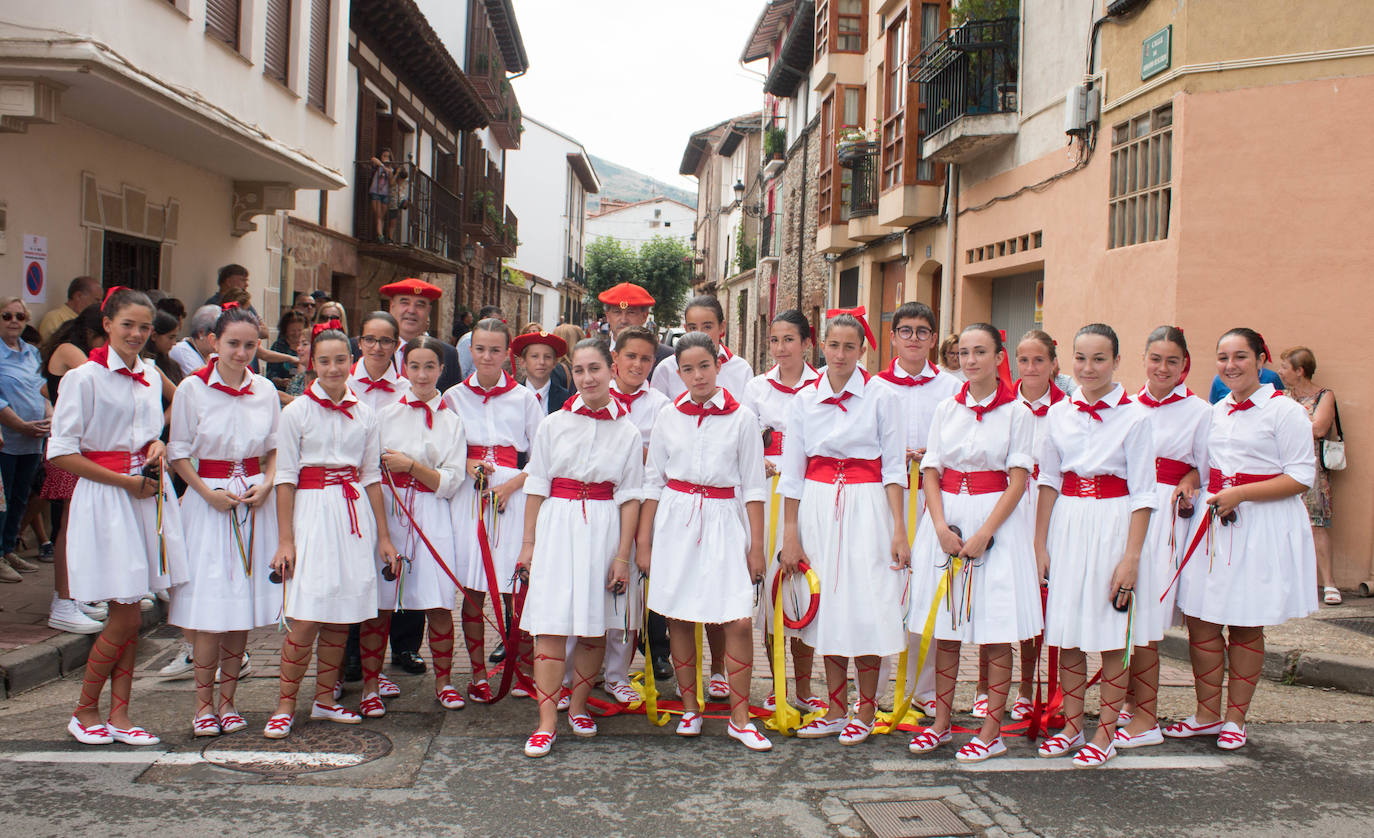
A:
x: 1253, y: 338
x: 429, y: 342
x: 1101, y: 330
x: 693, y: 340
x: 593, y: 343
x: 230, y: 315
x: 797, y: 319
x: 991, y: 331
x: 118, y: 300
x: 709, y: 303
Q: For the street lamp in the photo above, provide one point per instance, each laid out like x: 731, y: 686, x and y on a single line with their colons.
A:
x: 751, y: 210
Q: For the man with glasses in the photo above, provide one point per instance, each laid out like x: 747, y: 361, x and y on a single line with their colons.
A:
x: 304, y: 305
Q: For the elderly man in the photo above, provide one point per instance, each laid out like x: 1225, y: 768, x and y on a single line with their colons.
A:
x: 629, y: 305
x: 411, y: 303
x: 191, y: 352
x: 81, y: 292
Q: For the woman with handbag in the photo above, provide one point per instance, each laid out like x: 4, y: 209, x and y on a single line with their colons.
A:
x: 1297, y: 369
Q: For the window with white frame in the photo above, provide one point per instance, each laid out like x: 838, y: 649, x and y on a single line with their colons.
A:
x: 1141, y: 175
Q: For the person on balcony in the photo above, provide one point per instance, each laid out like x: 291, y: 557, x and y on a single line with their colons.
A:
x: 379, y: 191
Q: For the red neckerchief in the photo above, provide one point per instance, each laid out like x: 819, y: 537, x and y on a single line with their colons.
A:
x: 890, y: 375
x: 627, y: 400
x: 204, y: 375
x: 1148, y: 401
x: 792, y: 391
x: 839, y: 400
x: 1249, y: 403
x: 1056, y: 396
x: 1100, y: 404
x: 429, y: 411
x: 723, y: 352
x: 101, y: 355
x: 343, y: 407
x: 701, y: 411
x: 360, y: 377
x: 576, y: 405
x: 507, y: 384
x: 1003, y: 395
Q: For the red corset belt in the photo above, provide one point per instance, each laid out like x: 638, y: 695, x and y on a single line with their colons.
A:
x: 501, y: 455
x: 832, y: 470
x: 224, y: 469
x: 973, y: 482
x: 1170, y: 471
x: 123, y: 462
x: 345, y: 477
x: 1216, y: 481
x: 1101, y: 486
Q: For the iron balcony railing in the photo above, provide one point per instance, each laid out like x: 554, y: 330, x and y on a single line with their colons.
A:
x: 770, y: 236
x: 968, y: 69
x: 863, y: 187
x: 424, y: 215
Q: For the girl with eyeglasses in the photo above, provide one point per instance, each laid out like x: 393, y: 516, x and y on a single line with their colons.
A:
x: 375, y: 379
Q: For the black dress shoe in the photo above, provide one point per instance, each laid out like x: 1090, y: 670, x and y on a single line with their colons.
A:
x: 498, y: 654
x: 353, y: 671
x: 663, y: 669
x: 410, y: 662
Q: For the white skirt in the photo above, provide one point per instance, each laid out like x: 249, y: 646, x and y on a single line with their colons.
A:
x: 112, y: 543
x: 861, y: 610
x: 1005, y: 603
x: 1158, y: 562
x: 505, y: 540
x: 568, y: 571
x: 1086, y: 541
x: 219, y: 596
x: 700, y: 570
x: 335, y: 578
x: 1263, y: 571
x: 424, y: 585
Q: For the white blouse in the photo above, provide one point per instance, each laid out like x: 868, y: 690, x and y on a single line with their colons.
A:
x: 99, y: 410
x: 734, y: 375
x: 508, y: 419
x: 1121, y: 444
x: 312, y: 435
x: 377, y: 394
x: 1039, y: 423
x: 212, y: 425
x: 1179, y: 429
x: 919, y: 401
x: 770, y: 403
x: 720, y: 451
x: 644, y: 409
x: 1004, y: 440
x: 443, y: 447
x: 870, y: 427
x: 1273, y: 437
x: 577, y: 447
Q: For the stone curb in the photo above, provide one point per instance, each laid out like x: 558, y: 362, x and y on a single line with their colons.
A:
x: 34, y: 665
x: 1291, y: 665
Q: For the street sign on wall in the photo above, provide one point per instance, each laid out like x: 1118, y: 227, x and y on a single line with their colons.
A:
x: 1155, y: 53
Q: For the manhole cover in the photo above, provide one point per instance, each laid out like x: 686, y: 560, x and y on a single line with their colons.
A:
x: 1364, y: 625
x: 315, y: 747
x: 911, y: 819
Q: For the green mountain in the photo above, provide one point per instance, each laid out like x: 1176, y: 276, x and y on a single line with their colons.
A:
x: 626, y: 184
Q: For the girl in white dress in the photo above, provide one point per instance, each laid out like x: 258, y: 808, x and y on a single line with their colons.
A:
x: 1260, y: 568
x: 843, y: 477
x: 1178, y: 425
x: 919, y: 386
x: 633, y: 359
x: 1097, y: 490
x: 225, y: 418
x: 702, y: 558
x: 769, y: 396
x: 377, y: 379
x: 499, y: 418
x: 975, y: 470
x: 123, y: 531
x: 328, y: 535
x: 582, y: 506
x: 704, y: 314
x: 424, y: 454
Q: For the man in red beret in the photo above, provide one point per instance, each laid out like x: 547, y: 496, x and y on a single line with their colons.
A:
x: 411, y: 302
x: 628, y: 305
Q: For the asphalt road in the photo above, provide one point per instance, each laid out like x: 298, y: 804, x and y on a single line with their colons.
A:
x: 422, y: 770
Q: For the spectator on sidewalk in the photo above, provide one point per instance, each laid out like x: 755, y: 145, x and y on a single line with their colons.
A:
x: 81, y: 292
x: 1296, y: 368
x: 289, y: 329
x: 192, y: 352
x: 27, y: 418
x: 229, y: 276
x: 164, y: 339
x: 304, y: 305
x: 174, y: 307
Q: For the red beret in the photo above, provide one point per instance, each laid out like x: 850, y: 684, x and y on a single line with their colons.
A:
x: 413, y: 287
x: 624, y: 295
x: 528, y: 339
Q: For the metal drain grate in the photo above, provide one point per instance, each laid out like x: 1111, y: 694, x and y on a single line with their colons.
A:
x: 1364, y: 625
x: 911, y: 819
x: 314, y: 747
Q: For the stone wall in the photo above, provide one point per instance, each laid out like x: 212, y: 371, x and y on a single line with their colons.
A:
x: 799, y: 247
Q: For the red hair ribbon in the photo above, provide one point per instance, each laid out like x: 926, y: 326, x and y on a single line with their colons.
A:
x: 858, y: 313
x: 332, y: 323
x: 1264, y: 347
x: 228, y: 305
x: 111, y: 293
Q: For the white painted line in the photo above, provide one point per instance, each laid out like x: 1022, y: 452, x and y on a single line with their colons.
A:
x: 1000, y: 764
x: 323, y: 759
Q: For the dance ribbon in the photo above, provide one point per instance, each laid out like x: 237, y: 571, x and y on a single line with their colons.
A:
x: 510, y: 634
x: 913, y: 485
x: 415, y: 528
x: 1202, y: 529
x: 786, y: 719
x: 161, y: 537
x: 650, y: 690
x: 773, y: 522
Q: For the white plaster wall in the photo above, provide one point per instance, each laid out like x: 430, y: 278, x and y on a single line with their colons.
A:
x: 449, y: 18
x: 537, y: 185
x: 631, y: 225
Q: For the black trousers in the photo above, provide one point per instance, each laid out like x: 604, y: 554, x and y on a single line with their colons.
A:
x: 407, y: 633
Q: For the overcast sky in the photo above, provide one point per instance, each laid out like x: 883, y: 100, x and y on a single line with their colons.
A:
x: 632, y: 79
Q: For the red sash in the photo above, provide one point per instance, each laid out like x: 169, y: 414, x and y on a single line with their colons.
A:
x: 774, y: 448
x: 832, y: 470
x: 567, y: 489
x: 345, y: 477
x: 973, y: 482
x: 1102, y: 486
x: 713, y: 492
x: 501, y: 455
x: 402, y: 480
x: 224, y: 469
x: 1216, y: 481
x: 1170, y: 471
x: 123, y: 462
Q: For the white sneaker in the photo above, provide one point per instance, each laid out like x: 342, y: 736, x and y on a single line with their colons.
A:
x: 179, y: 666
x: 246, y: 667
x: 64, y: 615
x: 147, y: 603
x: 94, y: 610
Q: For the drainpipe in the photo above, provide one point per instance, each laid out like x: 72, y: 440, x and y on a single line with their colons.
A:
x: 801, y: 217
x: 949, y: 275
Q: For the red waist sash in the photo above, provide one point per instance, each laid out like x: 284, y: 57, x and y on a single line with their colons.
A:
x: 568, y: 489
x: 832, y: 470
x: 224, y: 469
x: 1101, y: 486
x: 973, y: 482
x: 774, y: 448
x: 408, y: 481
x: 1170, y: 471
x: 1216, y: 481
x: 501, y: 455
x: 123, y: 462
x: 318, y: 477
x: 714, y: 492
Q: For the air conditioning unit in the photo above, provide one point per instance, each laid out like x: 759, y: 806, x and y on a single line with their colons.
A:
x: 1082, y: 108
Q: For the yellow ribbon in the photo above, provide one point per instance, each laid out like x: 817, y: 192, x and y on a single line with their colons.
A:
x: 649, y: 692
x: 772, y: 527
x: 913, y: 476
x: 887, y: 722
x: 786, y: 719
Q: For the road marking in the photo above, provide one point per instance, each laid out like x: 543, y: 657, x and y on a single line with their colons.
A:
x: 1127, y: 763
x: 166, y: 758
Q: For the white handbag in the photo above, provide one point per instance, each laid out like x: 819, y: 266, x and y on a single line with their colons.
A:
x: 1333, y: 450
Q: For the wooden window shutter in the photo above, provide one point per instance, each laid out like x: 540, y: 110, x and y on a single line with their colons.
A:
x: 319, y: 53
x: 276, y: 57
x: 222, y: 21
x: 367, y: 124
